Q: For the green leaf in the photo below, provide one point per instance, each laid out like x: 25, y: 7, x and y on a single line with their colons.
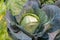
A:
x: 15, y: 6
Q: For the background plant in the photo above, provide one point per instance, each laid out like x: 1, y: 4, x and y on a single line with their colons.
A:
x: 16, y: 7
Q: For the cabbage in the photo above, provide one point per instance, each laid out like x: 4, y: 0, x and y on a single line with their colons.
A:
x: 30, y: 22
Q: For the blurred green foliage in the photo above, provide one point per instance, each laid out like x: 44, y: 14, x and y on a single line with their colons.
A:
x: 47, y: 1
x: 3, y: 26
x: 16, y: 7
